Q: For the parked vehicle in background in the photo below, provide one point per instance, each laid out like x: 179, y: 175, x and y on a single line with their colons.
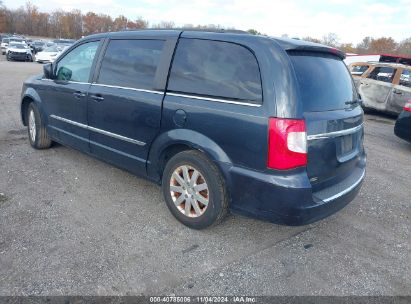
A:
x: 49, y: 54
x: 38, y: 46
x: 403, y: 124
x: 11, y: 39
x: 203, y: 114
x: 19, y: 51
x: 359, y: 68
x: 17, y: 39
x: 382, y: 58
x: 384, y: 87
x: 4, y: 44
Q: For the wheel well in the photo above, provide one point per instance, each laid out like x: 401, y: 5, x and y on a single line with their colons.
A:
x: 168, y: 153
x: 24, y: 106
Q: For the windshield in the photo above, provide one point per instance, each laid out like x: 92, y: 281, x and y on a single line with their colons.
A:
x: 359, y: 69
x: 325, y: 83
x: 18, y: 46
x: 38, y: 43
x: 5, y: 40
x: 16, y: 40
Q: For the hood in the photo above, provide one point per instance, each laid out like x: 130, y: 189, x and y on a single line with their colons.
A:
x: 47, y: 54
x: 18, y: 50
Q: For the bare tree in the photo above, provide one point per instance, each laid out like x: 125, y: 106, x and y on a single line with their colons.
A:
x: 164, y: 24
x: 331, y: 39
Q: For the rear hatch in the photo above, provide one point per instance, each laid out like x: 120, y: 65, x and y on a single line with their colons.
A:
x: 334, y: 120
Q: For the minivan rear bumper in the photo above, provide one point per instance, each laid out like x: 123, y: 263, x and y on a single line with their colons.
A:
x: 289, y: 200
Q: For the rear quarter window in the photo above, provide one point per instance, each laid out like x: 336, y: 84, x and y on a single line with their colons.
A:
x: 216, y: 69
x: 325, y: 83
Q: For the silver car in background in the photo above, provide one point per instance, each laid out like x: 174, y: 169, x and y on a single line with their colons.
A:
x: 385, y: 87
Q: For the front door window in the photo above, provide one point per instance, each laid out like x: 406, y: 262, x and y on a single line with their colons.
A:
x: 76, y: 65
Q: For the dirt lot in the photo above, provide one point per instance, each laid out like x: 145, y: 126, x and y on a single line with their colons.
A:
x: 70, y: 224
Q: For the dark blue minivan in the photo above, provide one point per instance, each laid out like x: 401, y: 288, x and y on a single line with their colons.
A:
x: 265, y: 127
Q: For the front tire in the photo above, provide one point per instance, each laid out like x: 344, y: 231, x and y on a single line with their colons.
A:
x: 38, y: 136
x: 194, y: 190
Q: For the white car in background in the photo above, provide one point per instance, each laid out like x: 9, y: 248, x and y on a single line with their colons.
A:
x: 8, y: 40
x: 18, y: 51
x: 49, y: 54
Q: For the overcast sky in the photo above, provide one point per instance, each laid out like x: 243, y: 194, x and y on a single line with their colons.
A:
x: 351, y: 20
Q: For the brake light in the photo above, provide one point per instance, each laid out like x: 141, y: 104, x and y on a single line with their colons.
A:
x: 407, y: 106
x: 287, y: 143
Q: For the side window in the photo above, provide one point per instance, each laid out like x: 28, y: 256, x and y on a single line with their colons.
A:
x: 405, y: 78
x: 76, y: 65
x: 385, y: 74
x: 215, y: 69
x: 131, y: 63
x: 358, y: 70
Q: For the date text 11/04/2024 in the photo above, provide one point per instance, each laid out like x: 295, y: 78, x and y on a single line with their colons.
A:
x: 205, y: 299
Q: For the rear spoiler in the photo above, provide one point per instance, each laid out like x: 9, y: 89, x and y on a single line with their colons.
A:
x: 305, y: 46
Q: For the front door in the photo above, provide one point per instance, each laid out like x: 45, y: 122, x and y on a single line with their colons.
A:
x: 65, y: 97
x: 124, y: 110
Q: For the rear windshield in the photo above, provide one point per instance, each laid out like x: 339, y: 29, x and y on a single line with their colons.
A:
x: 325, y: 83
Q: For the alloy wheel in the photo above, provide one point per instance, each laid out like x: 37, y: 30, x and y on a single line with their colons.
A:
x: 32, y: 126
x: 189, y: 191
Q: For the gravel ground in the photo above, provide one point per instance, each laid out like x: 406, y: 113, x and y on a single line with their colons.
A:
x: 72, y: 225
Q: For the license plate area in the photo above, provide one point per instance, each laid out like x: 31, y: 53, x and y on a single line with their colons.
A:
x: 347, y: 145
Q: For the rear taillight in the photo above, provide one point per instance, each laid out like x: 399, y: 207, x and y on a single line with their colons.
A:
x: 287, y: 143
x: 407, y: 106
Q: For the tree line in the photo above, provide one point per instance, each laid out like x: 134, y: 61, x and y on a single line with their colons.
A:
x: 368, y: 45
x: 29, y: 20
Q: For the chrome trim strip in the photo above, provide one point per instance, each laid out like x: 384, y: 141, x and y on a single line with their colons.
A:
x: 346, y: 190
x: 335, y: 134
x: 215, y: 99
x: 117, y: 136
x: 68, y: 81
x: 126, y: 88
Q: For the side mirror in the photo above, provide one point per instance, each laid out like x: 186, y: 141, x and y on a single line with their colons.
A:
x: 64, y: 74
x: 48, y: 71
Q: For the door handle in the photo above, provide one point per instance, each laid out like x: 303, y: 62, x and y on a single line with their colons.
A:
x: 398, y: 92
x: 97, y: 98
x: 79, y: 94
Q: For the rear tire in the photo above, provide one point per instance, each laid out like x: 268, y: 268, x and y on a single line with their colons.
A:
x: 194, y: 190
x: 38, y: 136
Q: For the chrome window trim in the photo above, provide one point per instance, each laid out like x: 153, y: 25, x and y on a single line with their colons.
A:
x: 335, y: 134
x: 215, y: 100
x: 69, y: 81
x: 126, y: 88
x: 346, y: 190
x: 117, y: 136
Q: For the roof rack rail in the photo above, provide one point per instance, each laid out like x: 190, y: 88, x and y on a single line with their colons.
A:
x: 231, y: 31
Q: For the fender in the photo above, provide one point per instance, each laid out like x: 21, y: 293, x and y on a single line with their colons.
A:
x: 31, y: 93
x: 188, y: 138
